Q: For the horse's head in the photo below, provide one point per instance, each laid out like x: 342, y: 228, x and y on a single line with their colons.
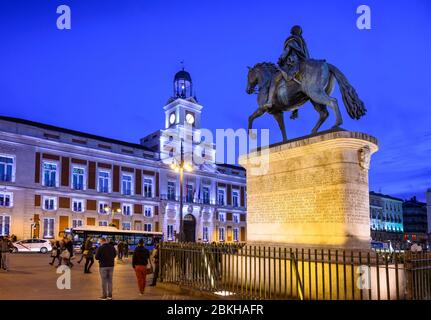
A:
x: 259, y: 75
x: 252, y: 80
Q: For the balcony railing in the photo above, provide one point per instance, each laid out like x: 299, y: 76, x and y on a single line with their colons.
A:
x: 187, y: 199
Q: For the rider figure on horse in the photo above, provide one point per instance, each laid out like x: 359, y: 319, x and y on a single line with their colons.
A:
x: 295, y: 51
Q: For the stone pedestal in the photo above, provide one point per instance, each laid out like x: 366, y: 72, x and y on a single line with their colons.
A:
x: 311, y: 191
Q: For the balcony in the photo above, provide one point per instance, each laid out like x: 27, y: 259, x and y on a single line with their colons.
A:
x: 190, y: 200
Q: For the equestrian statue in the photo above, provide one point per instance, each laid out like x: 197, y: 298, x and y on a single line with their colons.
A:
x: 297, y: 79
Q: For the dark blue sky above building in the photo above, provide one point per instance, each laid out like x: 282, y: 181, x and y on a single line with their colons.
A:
x: 112, y: 73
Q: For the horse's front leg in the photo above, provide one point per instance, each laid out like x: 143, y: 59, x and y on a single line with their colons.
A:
x: 280, y: 120
x: 260, y: 111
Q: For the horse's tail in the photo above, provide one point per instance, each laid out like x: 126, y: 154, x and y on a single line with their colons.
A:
x: 355, y: 107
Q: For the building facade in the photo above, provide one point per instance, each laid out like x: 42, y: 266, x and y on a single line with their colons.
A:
x: 386, y: 218
x: 416, y: 221
x: 52, y: 179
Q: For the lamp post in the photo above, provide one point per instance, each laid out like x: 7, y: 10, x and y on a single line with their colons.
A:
x: 113, y: 212
x: 179, y: 167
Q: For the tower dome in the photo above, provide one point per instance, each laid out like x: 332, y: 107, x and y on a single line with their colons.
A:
x: 182, y: 84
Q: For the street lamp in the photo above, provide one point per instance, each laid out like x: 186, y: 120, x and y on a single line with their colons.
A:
x: 113, y: 212
x: 179, y: 168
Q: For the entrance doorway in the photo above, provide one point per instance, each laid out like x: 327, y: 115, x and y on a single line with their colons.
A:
x: 189, y: 225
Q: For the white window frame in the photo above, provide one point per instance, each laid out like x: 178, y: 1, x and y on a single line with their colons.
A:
x: 123, y: 211
x: 56, y: 164
x: 235, y: 234
x: 7, y: 194
x: 13, y: 157
x: 3, y: 224
x: 103, y: 223
x: 82, y: 205
x: 84, y: 182
x: 149, y: 209
x: 131, y: 184
x: 221, y: 235
x: 126, y: 223
x: 209, y: 194
x: 45, y: 233
x: 109, y: 180
x: 146, y: 225
x: 170, y: 232
x: 152, y: 187
x: 105, y: 204
x: 220, y: 215
x: 224, y: 196
x: 236, y: 218
x: 77, y: 225
x: 205, y: 234
x: 44, y: 198
x: 175, y: 190
x: 238, y: 198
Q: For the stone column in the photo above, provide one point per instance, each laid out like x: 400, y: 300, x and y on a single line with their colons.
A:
x: 313, y: 192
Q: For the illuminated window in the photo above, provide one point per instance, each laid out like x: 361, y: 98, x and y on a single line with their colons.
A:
x: 126, y: 184
x: 49, y: 203
x: 103, y: 223
x: 78, y: 178
x: 4, y: 225
x: 148, y: 187
x: 78, y: 205
x: 221, y: 234
x: 170, y: 232
x: 76, y: 223
x: 50, y: 174
x: 205, y: 234
x: 104, y: 181
x: 127, y: 209
x: 235, y: 198
x: 221, y: 197
x: 48, y: 228
x: 6, y: 199
x: 148, y: 211
x: 235, y: 234
x: 126, y: 226
x: 7, y: 168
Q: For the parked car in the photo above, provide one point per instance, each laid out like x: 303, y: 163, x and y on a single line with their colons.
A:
x: 32, y: 245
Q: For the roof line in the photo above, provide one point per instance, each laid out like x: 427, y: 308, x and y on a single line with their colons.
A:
x: 74, y: 132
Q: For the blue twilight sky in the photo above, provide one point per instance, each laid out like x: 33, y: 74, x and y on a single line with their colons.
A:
x: 112, y: 73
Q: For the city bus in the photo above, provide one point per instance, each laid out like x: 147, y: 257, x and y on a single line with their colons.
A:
x: 112, y: 234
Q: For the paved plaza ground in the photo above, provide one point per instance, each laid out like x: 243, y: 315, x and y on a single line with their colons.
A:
x: 32, y: 278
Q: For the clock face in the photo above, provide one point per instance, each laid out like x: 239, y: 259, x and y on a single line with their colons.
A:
x: 190, y: 118
x: 172, y: 118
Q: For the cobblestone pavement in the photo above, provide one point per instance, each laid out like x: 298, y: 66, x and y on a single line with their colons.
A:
x: 32, y: 278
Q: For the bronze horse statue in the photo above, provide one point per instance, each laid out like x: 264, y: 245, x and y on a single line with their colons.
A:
x: 316, y: 83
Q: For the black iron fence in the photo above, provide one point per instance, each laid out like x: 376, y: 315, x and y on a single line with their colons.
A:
x: 259, y: 272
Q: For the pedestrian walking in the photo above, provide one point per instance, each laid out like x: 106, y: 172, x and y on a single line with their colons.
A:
x: 82, y: 251
x: 5, y: 248
x: 155, y: 258
x: 55, y: 253
x: 67, y: 253
x: 89, y: 255
x: 106, y: 254
x: 139, y: 262
x: 126, y: 249
x: 120, y: 248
